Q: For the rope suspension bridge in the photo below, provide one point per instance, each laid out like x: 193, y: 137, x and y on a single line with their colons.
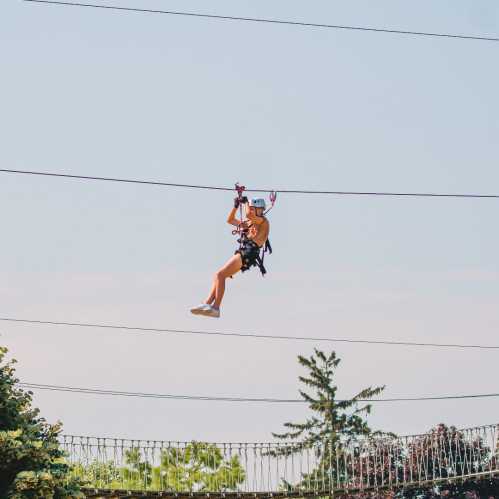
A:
x: 113, y: 467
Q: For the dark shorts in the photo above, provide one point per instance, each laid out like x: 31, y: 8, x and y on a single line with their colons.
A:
x: 250, y: 253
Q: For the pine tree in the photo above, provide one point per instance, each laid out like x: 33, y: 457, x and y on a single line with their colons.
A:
x: 333, y: 424
x: 31, y: 463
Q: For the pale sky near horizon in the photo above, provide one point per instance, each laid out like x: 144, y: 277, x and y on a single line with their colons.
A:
x: 187, y: 100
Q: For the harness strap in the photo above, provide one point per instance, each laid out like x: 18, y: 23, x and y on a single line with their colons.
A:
x: 259, y: 262
x: 260, y: 259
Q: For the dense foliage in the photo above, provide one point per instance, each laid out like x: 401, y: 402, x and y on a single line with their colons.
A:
x: 197, y: 467
x: 31, y: 462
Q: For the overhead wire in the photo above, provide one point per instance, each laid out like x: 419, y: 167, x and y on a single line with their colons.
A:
x: 247, y: 335
x: 280, y: 191
x: 95, y: 391
x: 118, y: 8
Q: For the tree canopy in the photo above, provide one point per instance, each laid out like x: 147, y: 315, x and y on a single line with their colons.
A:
x: 197, y: 467
x: 32, y: 464
x: 332, y: 420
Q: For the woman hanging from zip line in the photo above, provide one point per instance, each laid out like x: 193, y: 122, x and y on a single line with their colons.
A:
x: 254, y: 233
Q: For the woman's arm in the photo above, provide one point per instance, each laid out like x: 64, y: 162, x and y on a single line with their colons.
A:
x: 231, y: 219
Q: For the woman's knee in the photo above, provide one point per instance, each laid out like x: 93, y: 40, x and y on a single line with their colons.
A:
x: 220, y: 275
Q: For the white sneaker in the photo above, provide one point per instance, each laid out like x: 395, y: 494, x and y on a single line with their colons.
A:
x: 200, y: 309
x: 212, y: 312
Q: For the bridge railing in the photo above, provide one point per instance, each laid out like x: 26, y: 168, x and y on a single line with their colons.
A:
x: 284, y: 468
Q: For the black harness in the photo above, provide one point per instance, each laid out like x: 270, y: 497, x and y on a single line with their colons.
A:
x: 251, y: 254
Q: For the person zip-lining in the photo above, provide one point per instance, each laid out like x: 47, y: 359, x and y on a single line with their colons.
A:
x: 253, y: 237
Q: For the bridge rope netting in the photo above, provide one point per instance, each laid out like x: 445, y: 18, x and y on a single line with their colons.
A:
x: 284, y: 469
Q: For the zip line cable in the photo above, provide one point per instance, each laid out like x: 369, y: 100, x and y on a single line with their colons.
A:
x: 231, y: 189
x: 123, y: 180
x: 266, y: 20
x: 246, y: 335
x: 92, y: 391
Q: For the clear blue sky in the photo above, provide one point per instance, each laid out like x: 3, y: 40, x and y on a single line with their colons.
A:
x: 195, y: 101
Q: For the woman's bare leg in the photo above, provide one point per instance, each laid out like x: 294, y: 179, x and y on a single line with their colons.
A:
x: 211, y: 296
x: 229, y: 269
x: 213, y: 291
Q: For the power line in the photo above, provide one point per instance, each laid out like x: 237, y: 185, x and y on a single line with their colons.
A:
x: 94, y: 391
x: 267, y: 21
x: 248, y: 335
x: 217, y: 188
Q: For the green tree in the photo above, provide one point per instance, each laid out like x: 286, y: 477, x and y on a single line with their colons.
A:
x: 31, y: 463
x: 99, y: 475
x: 333, y: 424
x: 197, y: 467
x: 201, y: 467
